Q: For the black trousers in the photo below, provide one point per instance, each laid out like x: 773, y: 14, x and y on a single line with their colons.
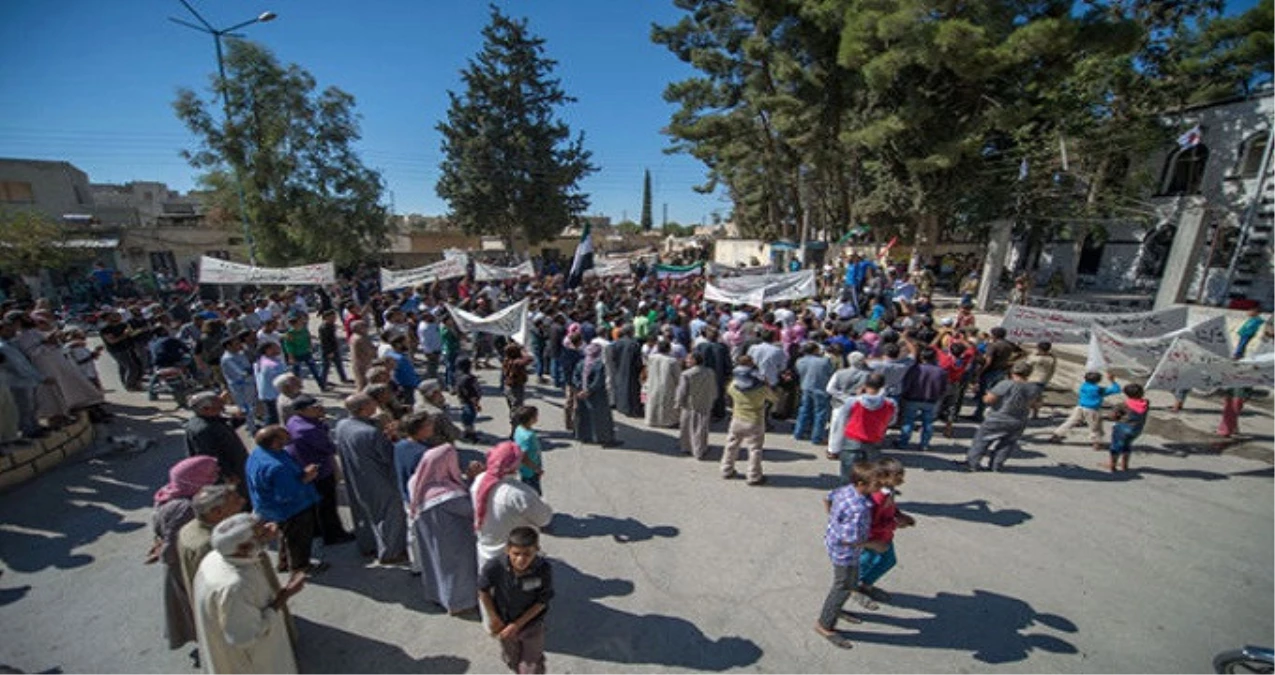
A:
x: 329, y: 524
x: 298, y: 535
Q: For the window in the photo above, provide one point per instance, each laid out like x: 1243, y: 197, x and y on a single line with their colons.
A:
x: 163, y: 261
x: 1251, y: 154
x: 1184, y: 171
x: 16, y: 192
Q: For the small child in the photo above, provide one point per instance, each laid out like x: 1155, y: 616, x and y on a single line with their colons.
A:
x: 1088, y: 409
x: 1130, y: 415
x: 514, y: 375
x: 878, y: 557
x: 82, y: 356
x: 470, y: 395
x: 1043, y: 363
x: 525, y: 419
x: 515, y: 590
x: 849, y: 522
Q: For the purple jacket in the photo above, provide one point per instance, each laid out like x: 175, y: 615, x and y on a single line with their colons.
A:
x: 924, y: 382
x: 311, y: 444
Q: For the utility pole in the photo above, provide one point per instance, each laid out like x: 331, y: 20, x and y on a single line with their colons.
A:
x: 664, y: 223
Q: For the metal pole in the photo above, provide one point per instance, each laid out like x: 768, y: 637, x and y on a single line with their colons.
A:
x: 1249, y: 213
x: 225, y: 107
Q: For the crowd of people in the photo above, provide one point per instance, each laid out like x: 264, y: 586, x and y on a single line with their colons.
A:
x: 840, y: 371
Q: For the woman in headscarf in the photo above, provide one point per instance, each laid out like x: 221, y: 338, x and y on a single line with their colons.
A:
x: 502, y: 501
x: 172, y: 511
x: 593, y: 421
x: 441, y: 514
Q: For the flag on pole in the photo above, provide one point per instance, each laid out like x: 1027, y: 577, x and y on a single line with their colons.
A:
x: 583, y: 259
x: 1191, y: 138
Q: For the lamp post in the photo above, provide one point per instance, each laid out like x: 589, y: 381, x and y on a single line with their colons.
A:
x: 217, y: 34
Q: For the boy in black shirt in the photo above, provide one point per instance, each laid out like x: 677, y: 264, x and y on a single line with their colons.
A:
x: 515, y: 590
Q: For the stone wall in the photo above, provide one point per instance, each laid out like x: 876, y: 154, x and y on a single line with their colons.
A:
x: 45, y: 453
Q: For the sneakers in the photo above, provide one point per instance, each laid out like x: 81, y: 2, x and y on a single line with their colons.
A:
x: 730, y: 474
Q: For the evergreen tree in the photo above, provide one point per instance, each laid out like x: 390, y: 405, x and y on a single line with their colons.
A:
x: 510, y: 168
x: 646, y: 200
x: 308, y: 196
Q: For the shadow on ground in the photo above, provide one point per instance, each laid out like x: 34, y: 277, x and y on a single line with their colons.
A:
x: 581, y: 626
x: 622, y: 530
x: 990, y: 626
x: 326, y: 649
x: 975, y: 511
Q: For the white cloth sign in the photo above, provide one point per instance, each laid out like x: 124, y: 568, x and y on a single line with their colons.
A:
x: 218, y: 271
x: 1030, y: 324
x: 455, y: 254
x: 1139, y: 356
x: 443, y: 269
x: 756, y: 291
x: 608, y: 267
x: 510, y: 321
x: 1187, y: 365
x: 485, y: 272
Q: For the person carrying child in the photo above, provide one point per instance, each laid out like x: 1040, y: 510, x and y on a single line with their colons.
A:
x: 877, y: 556
x: 1088, y: 409
x: 515, y: 590
x: 849, y: 523
x: 1130, y: 416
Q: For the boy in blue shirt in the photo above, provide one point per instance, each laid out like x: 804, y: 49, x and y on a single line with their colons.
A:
x: 524, y: 419
x: 849, y: 523
x: 1088, y: 409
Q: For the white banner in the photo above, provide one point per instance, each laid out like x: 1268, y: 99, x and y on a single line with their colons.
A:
x: 218, y: 271
x: 443, y: 269
x: 455, y: 254
x: 510, y: 321
x: 485, y: 272
x: 720, y: 270
x: 758, y: 290
x: 1139, y: 356
x: 1187, y: 365
x: 609, y: 267
x: 1030, y: 324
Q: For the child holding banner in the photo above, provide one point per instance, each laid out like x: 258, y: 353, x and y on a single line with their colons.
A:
x: 1088, y: 409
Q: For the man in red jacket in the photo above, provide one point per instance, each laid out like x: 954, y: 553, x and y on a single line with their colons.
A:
x: 859, y: 426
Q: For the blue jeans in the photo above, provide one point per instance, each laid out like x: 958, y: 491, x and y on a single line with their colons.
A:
x: 449, y: 369
x: 308, y: 360
x: 910, y: 411
x: 853, y: 451
x: 1122, y: 437
x: 468, y: 415
x: 986, y: 382
x: 542, y: 362
x: 812, y: 416
x: 555, y: 371
x: 873, y: 565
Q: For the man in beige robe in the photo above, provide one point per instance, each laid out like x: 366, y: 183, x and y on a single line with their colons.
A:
x: 662, y: 373
x: 696, y: 392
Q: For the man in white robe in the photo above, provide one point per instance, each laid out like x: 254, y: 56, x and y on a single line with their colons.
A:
x: 237, y: 615
x: 662, y: 375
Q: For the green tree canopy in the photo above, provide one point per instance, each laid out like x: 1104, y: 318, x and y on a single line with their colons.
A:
x: 30, y: 241
x: 510, y: 167
x: 307, y: 194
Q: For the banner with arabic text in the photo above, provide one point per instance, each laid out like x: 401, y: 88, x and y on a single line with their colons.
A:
x: 609, y: 267
x: 1031, y: 324
x: 1139, y: 356
x: 678, y: 271
x: 510, y: 321
x: 485, y: 272
x: 1187, y: 365
x: 443, y: 269
x: 218, y: 271
x: 759, y: 290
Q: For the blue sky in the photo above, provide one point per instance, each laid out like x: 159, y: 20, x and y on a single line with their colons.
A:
x: 91, y: 82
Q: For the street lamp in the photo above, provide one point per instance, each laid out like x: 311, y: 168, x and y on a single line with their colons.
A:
x: 217, y: 34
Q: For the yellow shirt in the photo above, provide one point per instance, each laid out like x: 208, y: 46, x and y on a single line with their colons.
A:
x: 750, y: 406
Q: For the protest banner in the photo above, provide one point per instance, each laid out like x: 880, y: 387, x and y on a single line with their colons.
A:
x: 1187, y: 365
x: 678, y: 271
x: 443, y: 269
x: 485, y: 272
x: 510, y: 321
x: 758, y: 290
x: 720, y: 270
x: 218, y: 271
x: 1139, y: 356
x: 1030, y: 324
x: 609, y: 267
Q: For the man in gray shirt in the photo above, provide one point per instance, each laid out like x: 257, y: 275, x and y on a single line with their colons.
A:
x: 1010, y: 402
x: 814, y: 370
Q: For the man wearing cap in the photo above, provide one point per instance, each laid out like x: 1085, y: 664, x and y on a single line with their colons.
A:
x: 311, y: 444
x: 432, y: 401
x: 1010, y: 405
x: 238, y: 616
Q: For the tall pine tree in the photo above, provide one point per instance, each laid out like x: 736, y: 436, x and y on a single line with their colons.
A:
x: 511, y: 168
x: 646, y: 200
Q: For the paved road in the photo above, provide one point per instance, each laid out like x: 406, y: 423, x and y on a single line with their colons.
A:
x: 662, y: 565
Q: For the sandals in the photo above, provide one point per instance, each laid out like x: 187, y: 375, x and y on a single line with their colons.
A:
x: 846, y: 616
x: 865, y: 601
x: 838, y: 639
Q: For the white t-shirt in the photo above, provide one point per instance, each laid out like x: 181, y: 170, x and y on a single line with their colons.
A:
x: 512, y: 504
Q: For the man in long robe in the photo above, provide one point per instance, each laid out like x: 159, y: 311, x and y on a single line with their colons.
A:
x: 368, y: 459
x: 628, y: 368
x: 209, y: 433
x: 662, y: 375
x: 695, y: 397
x: 237, y: 614
x: 716, y: 358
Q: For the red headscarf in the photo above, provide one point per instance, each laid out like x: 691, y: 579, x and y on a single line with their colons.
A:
x: 187, y: 477
x: 502, y: 460
x: 436, y: 479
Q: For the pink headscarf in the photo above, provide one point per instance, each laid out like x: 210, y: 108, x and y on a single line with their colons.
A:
x: 592, y: 352
x: 187, y: 477
x: 572, y: 329
x: 733, y: 337
x: 436, y: 479
x: 502, y: 460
